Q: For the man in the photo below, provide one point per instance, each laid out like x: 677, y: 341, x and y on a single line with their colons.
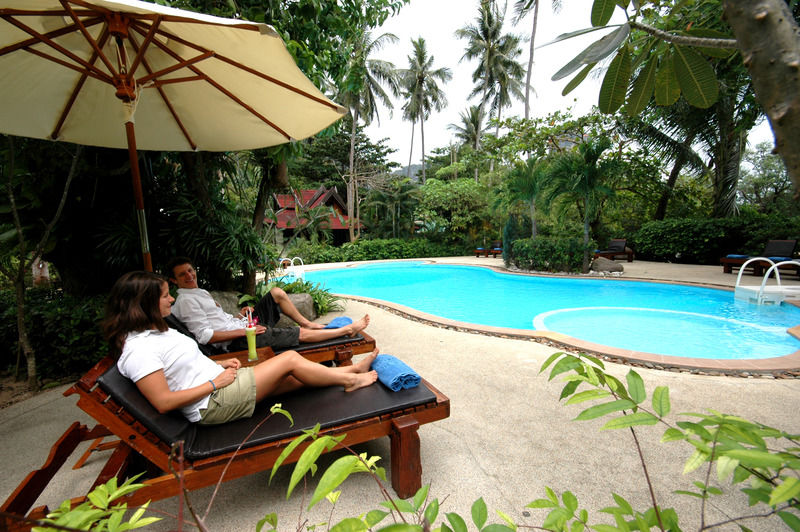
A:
x: 211, y: 325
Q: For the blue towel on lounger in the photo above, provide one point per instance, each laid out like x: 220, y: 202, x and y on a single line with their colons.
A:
x: 395, y: 373
x: 339, y: 322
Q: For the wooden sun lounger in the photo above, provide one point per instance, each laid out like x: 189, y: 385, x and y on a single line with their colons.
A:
x: 121, y: 411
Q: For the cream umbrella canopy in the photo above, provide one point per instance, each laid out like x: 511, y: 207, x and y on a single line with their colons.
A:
x: 129, y: 74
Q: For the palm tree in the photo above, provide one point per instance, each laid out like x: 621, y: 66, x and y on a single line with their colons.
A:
x: 496, y: 53
x: 422, y: 92
x: 579, y: 177
x: 471, y: 128
x: 361, y: 94
x: 521, y: 9
x: 526, y: 183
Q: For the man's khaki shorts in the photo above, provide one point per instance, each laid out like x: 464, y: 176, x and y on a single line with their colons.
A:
x: 235, y: 401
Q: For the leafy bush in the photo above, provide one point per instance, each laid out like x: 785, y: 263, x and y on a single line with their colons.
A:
x: 390, y: 248
x: 324, y: 301
x: 704, y: 241
x: 63, y: 330
x: 548, y: 254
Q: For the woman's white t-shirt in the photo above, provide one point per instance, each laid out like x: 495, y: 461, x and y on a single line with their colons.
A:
x: 177, y: 355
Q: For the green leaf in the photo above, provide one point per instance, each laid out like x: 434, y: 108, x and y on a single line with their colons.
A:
x: 507, y: 518
x: 541, y: 503
x: 690, y: 493
x: 288, y: 450
x: 333, y: 477
x: 402, y: 505
x: 630, y: 420
x: 569, y: 388
x: 479, y: 513
x: 725, y: 466
x: 667, y: 90
x: 754, y: 458
x: 636, y: 387
x: 587, y: 395
x: 550, y: 360
x: 788, y: 489
x: 602, y: 10
x: 598, y: 50
x: 568, y: 363
x: 374, y: 517
x: 420, y: 496
x: 623, y: 504
x: 276, y: 409
x: 308, y: 459
x: 497, y: 528
x: 350, y: 524
x: 457, y: 522
x: 697, y: 459
x: 556, y: 519
x: 791, y: 520
x: 696, y: 77
x: 432, y: 511
x: 643, y: 88
x: 603, y: 409
x: 661, y: 404
x: 578, y: 79
x: 271, y: 519
x: 615, y: 83
x: 570, y: 501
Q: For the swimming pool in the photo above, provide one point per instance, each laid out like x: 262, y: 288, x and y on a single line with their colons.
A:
x: 666, y: 319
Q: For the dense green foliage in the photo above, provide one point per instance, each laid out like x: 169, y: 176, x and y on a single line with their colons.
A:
x: 63, y: 329
x: 545, y: 254
x: 704, y: 241
x: 379, y: 249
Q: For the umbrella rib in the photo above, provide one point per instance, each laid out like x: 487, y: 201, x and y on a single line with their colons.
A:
x: 43, y: 38
x: 77, y: 90
x: 140, y: 52
x: 213, y: 83
x: 247, y: 69
x: 88, y: 37
x: 147, y: 39
x: 178, y: 66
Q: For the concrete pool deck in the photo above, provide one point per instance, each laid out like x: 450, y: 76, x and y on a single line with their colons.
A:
x: 508, y: 436
x: 710, y: 276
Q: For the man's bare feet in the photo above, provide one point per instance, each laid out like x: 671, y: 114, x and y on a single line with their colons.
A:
x: 362, y: 380
x: 357, y: 326
x: 363, y: 365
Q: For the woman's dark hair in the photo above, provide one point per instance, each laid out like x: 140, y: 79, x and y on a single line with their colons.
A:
x: 133, y: 305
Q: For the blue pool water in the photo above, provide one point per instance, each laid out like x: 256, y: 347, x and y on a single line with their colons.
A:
x: 676, y: 320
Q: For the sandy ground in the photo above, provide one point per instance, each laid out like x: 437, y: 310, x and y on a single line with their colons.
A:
x: 507, y: 437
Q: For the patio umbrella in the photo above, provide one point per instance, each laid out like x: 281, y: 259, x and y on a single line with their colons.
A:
x: 87, y: 71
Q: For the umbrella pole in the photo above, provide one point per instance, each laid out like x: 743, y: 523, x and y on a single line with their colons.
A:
x: 137, y: 194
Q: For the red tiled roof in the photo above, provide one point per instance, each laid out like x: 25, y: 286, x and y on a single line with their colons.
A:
x: 287, y: 218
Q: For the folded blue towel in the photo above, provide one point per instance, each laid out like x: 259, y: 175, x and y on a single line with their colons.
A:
x: 395, y: 373
x: 339, y: 322
x: 732, y: 256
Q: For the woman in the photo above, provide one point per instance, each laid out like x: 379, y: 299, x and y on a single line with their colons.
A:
x: 171, y: 372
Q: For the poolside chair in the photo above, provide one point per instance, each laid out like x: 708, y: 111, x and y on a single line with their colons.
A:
x: 775, y: 250
x: 122, y: 411
x: 616, y: 248
x: 337, y: 350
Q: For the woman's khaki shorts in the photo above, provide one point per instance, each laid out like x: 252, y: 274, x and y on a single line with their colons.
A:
x: 235, y: 401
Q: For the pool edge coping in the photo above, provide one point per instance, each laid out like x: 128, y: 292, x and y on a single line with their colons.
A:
x: 787, y: 366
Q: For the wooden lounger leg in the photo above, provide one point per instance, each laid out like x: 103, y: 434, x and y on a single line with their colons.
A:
x: 20, y: 501
x: 406, y: 461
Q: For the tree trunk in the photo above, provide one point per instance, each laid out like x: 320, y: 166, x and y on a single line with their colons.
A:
x: 194, y: 166
x: 586, y: 235
x: 533, y: 218
x: 422, y: 140
x: 351, y: 180
x: 769, y: 39
x: 661, y: 209
x: 530, y: 61
x: 410, y: 151
x: 22, y: 331
x: 727, y: 158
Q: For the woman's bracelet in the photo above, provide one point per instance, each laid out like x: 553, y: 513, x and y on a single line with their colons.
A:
x: 213, y: 385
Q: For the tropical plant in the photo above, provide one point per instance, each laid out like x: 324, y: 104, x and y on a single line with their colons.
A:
x: 471, y: 129
x: 526, y: 183
x: 521, y: 9
x: 580, y: 177
x: 361, y: 93
x: 765, y: 185
x: 421, y: 91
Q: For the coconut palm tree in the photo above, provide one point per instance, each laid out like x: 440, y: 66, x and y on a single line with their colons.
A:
x: 362, y: 92
x: 471, y: 129
x: 526, y: 183
x: 579, y: 177
x: 521, y: 10
x: 498, y: 74
x: 421, y: 90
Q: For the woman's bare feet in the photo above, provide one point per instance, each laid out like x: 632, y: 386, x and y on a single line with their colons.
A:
x: 363, y: 365
x: 357, y: 326
x: 362, y: 380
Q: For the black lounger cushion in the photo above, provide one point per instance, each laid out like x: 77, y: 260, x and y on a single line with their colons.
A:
x: 327, y: 406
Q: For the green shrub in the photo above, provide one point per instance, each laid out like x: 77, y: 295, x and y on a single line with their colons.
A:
x: 63, y: 330
x: 378, y: 249
x: 548, y: 254
x: 704, y: 241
